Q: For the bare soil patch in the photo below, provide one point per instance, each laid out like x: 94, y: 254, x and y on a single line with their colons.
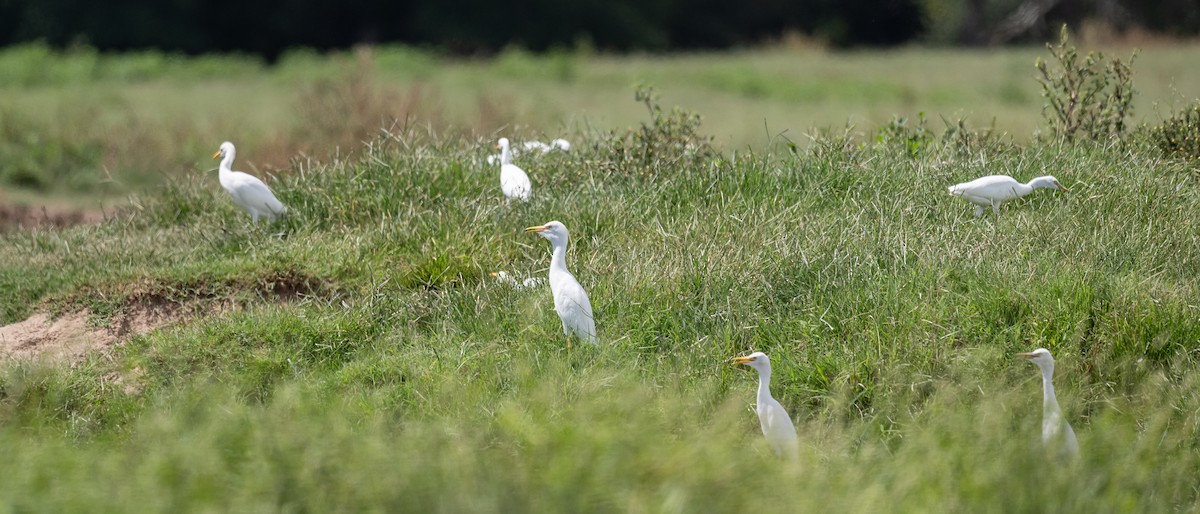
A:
x: 72, y: 336
x: 17, y: 216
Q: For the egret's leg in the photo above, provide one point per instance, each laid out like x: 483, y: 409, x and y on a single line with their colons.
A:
x: 979, y: 211
x: 254, y: 216
x: 996, y: 208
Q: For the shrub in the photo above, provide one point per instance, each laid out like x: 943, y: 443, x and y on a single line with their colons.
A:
x: 670, y: 141
x: 1091, y: 98
x: 1179, y: 135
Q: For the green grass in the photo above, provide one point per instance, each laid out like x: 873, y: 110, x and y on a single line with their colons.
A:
x: 405, y: 379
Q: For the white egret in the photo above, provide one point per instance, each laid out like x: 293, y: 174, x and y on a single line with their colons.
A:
x: 561, y: 144
x: 993, y: 190
x: 513, y: 180
x: 570, y: 300
x: 537, y: 145
x: 1056, y: 432
x: 529, y: 146
x: 776, y: 424
x: 530, y: 282
x: 248, y: 192
x: 557, y: 144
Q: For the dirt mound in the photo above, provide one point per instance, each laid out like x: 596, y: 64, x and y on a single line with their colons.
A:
x: 148, y: 307
x: 14, y: 216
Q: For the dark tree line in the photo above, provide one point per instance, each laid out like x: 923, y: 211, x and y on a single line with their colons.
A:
x: 473, y: 26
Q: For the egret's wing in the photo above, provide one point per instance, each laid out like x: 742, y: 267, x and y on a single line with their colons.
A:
x: 1070, y: 444
x: 514, y: 182
x: 253, y: 192
x: 537, y: 145
x: 575, y: 309
x: 778, y: 428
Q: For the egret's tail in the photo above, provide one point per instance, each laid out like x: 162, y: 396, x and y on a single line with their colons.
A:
x: 277, y: 207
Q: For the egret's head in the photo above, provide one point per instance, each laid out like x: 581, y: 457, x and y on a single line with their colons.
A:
x: 1040, y: 356
x: 554, y: 231
x: 502, y: 144
x: 756, y: 360
x: 226, y: 149
x: 1049, y: 182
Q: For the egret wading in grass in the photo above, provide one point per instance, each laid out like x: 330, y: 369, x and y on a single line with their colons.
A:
x: 248, y: 192
x: 570, y: 300
x: 513, y: 180
x: 993, y: 190
x: 1056, y: 432
x: 776, y: 424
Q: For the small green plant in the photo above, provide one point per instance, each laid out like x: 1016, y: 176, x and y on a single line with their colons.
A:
x: 1179, y: 135
x: 1089, y: 98
x: 911, y: 137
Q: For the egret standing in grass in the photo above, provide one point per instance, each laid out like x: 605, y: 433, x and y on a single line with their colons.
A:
x: 993, y: 190
x: 513, y: 180
x: 1056, y: 432
x: 570, y: 300
x: 248, y: 192
x: 776, y: 424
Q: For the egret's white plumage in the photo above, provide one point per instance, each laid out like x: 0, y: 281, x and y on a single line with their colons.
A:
x: 570, y: 300
x: 248, y: 192
x: 536, y: 145
x: 776, y: 424
x: 513, y: 180
x: 530, y: 282
x: 1056, y: 431
x: 529, y: 146
x: 993, y: 190
x: 561, y: 144
x: 557, y: 144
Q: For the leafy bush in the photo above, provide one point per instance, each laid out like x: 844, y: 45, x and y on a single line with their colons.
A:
x: 1089, y: 98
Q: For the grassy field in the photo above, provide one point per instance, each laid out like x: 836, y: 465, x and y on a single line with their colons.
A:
x: 356, y: 356
x: 81, y: 124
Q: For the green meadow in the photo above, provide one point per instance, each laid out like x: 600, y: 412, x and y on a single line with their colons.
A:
x: 356, y: 356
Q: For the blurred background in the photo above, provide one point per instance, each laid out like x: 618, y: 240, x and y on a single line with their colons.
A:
x: 100, y: 99
x: 268, y: 29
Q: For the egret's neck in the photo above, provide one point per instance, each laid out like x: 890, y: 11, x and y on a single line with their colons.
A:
x: 505, y: 155
x: 1024, y: 189
x: 764, y: 386
x: 227, y: 163
x: 558, y: 258
x: 1049, y: 401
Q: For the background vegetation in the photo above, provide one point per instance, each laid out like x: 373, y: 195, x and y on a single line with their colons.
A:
x: 356, y: 356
